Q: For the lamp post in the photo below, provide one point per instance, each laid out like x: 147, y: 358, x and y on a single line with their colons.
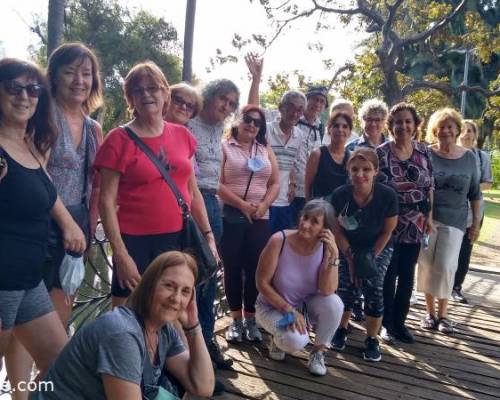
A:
x: 465, y: 83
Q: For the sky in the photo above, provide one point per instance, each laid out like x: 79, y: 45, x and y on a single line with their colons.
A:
x: 216, y: 22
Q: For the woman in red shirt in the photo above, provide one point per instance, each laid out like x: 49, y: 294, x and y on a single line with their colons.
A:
x: 139, y: 211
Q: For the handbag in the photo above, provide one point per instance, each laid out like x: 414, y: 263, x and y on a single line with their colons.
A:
x: 364, y: 263
x: 233, y: 215
x: 79, y: 212
x: 192, y: 240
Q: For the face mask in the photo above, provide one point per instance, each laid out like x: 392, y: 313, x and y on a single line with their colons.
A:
x: 255, y: 164
x: 348, y: 222
x: 71, y: 274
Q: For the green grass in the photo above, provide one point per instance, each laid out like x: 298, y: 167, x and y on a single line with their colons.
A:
x: 491, y: 214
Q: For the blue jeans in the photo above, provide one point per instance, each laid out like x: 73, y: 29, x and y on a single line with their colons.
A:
x: 206, y: 292
x: 280, y: 218
x: 296, y: 207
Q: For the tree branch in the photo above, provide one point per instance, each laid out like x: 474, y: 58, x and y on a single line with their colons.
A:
x: 348, y: 11
x: 348, y: 66
x: 284, y: 23
x: 419, y: 37
x: 36, y: 29
x: 447, y: 89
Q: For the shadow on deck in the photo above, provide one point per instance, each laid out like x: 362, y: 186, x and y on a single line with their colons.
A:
x: 463, y: 366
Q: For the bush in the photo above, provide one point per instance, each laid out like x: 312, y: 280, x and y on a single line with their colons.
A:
x: 495, y: 166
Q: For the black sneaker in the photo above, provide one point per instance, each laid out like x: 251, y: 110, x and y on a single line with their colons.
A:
x: 217, y: 358
x: 372, y: 350
x: 457, y: 295
x: 339, y: 339
x: 404, y: 335
x: 219, y: 388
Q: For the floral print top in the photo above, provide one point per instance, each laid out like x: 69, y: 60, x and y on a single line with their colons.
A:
x: 412, y: 180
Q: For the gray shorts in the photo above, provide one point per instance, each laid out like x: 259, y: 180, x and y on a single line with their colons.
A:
x: 20, y: 306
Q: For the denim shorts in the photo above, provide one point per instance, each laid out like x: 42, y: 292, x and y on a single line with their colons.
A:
x: 20, y: 306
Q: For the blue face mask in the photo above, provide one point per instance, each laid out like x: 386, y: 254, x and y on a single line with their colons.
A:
x: 348, y: 222
x: 255, y: 164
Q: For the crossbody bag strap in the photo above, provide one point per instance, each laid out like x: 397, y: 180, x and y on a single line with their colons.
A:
x: 161, y: 168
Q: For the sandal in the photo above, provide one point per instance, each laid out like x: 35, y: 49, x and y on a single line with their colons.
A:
x: 446, y: 326
x: 429, y: 322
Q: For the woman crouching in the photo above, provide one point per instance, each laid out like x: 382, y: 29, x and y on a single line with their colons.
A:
x: 127, y: 351
x: 299, y: 267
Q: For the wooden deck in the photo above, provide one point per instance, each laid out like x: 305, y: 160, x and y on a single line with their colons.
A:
x: 463, y: 366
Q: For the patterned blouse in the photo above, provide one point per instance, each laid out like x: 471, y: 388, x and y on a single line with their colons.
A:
x: 412, y: 180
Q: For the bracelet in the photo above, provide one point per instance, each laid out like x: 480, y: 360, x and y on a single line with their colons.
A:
x: 191, y: 327
x: 193, y: 331
x: 334, y: 263
x: 206, y: 233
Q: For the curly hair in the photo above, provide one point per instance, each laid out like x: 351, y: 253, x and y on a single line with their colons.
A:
x: 404, y: 107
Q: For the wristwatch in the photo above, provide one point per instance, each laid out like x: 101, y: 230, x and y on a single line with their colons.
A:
x: 334, y: 263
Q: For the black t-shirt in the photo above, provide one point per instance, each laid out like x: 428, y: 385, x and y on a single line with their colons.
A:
x: 363, y: 225
x: 330, y: 175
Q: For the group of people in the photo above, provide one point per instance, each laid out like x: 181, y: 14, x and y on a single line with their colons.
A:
x: 308, y: 219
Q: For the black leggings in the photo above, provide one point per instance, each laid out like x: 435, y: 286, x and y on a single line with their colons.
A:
x: 241, y: 246
x: 402, y: 269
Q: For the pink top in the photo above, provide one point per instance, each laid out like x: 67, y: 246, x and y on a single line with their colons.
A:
x: 235, y: 172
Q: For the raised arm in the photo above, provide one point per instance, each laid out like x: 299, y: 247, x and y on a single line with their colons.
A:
x: 255, y: 66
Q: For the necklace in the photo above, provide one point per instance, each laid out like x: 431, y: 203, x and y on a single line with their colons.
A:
x: 151, y: 344
x: 364, y: 201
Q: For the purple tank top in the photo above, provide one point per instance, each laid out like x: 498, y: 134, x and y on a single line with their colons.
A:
x: 296, y: 276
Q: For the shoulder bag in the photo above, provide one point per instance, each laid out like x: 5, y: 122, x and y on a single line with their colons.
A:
x: 192, y: 240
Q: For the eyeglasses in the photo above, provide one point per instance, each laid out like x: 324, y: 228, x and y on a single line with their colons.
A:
x: 179, y: 101
x: 374, y: 120
x: 247, y: 119
x: 151, y: 89
x: 14, y: 89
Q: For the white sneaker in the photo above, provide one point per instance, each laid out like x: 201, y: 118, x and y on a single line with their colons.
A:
x: 413, y: 298
x: 234, y: 331
x: 316, y: 363
x: 274, y: 352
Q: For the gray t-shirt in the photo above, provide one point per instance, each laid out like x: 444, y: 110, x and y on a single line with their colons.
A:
x: 113, y: 344
x: 485, y: 175
x: 208, y: 154
x: 456, y: 182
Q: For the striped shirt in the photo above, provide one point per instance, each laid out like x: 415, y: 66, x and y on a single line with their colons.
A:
x: 311, y: 140
x: 235, y: 173
x: 286, y: 153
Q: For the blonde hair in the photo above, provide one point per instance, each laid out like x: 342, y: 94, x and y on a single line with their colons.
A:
x: 134, y: 76
x: 366, y: 154
x: 475, y: 128
x: 183, y: 87
x: 438, y: 118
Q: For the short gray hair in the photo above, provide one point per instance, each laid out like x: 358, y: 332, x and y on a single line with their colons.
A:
x: 219, y: 87
x: 289, y: 96
x: 321, y: 207
x: 373, y: 106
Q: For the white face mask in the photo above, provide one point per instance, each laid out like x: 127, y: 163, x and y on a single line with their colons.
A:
x: 71, y: 274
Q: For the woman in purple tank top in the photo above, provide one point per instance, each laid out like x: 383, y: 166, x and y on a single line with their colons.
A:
x: 297, y: 268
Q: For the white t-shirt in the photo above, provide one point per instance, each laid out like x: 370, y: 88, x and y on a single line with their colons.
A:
x: 286, y: 153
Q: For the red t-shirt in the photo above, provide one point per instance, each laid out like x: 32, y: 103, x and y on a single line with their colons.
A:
x: 146, y: 203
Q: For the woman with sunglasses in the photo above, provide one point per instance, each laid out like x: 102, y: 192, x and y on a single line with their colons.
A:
x: 366, y: 213
x: 28, y: 199
x: 326, y: 167
x: 248, y: 186
x: 185, y: 103
x: 405, y: 166
x: 148, y: 220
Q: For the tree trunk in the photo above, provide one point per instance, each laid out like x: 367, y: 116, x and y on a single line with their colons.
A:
x: 187, y: 65
x: 55, y: 24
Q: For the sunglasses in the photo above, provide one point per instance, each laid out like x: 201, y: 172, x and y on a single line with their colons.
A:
x: 179, y: 101
x: 140, y: 90
x: 15, y: 89
x: 247, y: 119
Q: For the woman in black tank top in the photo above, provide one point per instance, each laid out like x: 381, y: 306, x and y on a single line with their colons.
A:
x: 326, y: 167
x: 27, y: 199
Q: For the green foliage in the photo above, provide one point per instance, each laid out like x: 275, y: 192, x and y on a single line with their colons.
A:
x: 120, y: 40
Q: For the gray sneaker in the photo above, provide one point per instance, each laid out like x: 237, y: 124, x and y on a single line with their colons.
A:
x: 252, y: 333
x: 316, y: 363
x: 234, y: 331
x: 274, y: 352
